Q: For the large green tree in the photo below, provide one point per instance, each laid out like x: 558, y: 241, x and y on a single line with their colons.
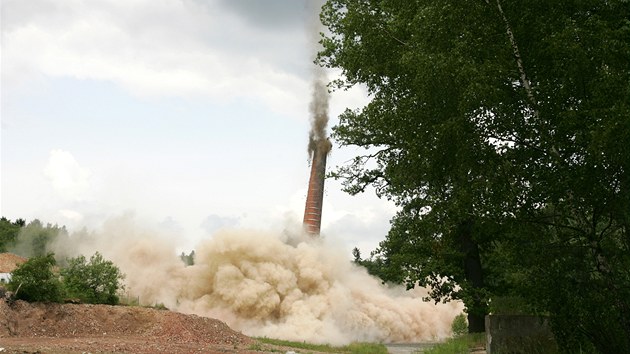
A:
x: 501, y: 129
x: 573, y: 222
x: 426, y: 70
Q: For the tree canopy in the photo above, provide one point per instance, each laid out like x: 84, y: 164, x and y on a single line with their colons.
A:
x: 501, y: 129
x: 35, y: 280
x: 41, y: 278
x: 96, y: 282
x: 29, y: 240
x: 9, y: 232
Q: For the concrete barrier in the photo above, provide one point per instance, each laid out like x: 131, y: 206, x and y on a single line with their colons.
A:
x: 516, y: 334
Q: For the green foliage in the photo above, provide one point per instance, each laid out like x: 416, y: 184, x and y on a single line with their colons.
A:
x: 375, y: 265
x: 500, y: 128
x: 458, y: 345
x: 97, y: 281
x: 423, y: 73
x: 35, y: 239
x: 583, y: 286
x: 188, y: 259
x: 9, y: 232
x: 257, y: 347
x: 510, y: 305
x: 34, y: 280
x: 459, y: 325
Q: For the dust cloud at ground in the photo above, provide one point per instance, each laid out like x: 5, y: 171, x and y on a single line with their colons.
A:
x: 266, y: 284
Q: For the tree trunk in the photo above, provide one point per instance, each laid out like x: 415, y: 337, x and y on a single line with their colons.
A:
x: 477, y: 308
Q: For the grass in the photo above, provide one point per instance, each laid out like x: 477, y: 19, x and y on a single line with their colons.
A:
x: 366, y: 348
x: 353, y: 348
x: 457, y: 345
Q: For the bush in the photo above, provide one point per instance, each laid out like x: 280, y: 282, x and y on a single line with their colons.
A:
x: 34, y: 280
x: 509, y: 305
x: 459, y: 325
x: 96, y: 282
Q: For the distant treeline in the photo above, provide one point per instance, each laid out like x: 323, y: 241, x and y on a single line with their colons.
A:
x: 36, y: 239
x: 42, y: 278
x: 28, y: 239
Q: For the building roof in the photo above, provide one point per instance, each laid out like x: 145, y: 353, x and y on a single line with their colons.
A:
x: 10, y: 261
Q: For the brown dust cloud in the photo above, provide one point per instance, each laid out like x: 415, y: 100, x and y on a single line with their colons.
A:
x: 286, y: 285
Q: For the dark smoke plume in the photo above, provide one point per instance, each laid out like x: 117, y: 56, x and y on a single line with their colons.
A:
x: 319, y: 114
x: 317, y: 139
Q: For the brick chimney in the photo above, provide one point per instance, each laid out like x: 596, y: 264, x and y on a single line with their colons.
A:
x: 315, y: 196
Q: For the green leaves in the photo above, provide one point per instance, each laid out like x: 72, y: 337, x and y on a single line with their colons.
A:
x: 34, y: 280
x: 511, y: 116
x: 34, y: 238
x: 97, y: 281
x: 9, y: 232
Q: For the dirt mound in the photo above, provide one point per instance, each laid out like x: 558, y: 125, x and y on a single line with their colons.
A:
x: 104, y: 328
x: 10, y: 261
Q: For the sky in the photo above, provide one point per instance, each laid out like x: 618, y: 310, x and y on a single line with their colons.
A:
x: 187, y: 115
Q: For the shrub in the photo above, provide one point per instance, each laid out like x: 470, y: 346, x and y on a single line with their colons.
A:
x: 459, y: 325
x: 34, y: 280
x: 97, y: 281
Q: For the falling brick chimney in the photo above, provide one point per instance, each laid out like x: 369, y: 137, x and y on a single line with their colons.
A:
x: 315, y: 196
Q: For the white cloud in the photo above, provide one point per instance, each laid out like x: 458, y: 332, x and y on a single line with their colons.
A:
x: 71, y: 215
x: 68, y: 178
x: 157, y: 48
